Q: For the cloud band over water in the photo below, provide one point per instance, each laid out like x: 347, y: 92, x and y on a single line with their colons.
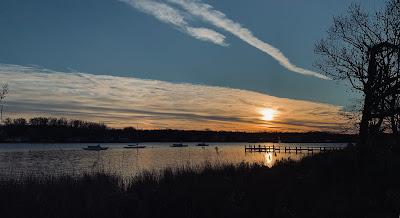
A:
x: 121, y: 101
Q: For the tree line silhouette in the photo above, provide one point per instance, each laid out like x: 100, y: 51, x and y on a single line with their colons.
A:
x: 44, y: 129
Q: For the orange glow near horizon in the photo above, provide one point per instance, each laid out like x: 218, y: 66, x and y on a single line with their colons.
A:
x: 151, y: 104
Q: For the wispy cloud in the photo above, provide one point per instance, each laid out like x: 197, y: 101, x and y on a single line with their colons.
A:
x: 219, y: 19
x: 207, y: 35
x: 121, y: 101
x: 176, y: 18
x: 169, y: 13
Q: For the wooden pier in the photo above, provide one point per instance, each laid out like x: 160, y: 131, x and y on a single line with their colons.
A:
x: 289, y: 149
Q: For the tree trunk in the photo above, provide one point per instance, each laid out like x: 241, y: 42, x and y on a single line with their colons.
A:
x: 364, y: 124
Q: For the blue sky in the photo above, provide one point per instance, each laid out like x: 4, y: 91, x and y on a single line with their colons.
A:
x: 111, y: 37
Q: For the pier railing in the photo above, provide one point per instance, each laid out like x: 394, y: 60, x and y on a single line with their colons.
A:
x: 289, y: 149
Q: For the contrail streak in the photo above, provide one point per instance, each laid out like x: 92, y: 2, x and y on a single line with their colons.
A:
x: 167, y: 14
x: 207, y: 13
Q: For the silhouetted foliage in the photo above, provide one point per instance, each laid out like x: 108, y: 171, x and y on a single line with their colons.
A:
x: 325, y: 185
x: 42, y: 129
x: 3, y: 94
x: 365, y: 51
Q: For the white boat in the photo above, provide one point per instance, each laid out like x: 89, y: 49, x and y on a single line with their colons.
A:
x: 95, y: 148
x: 179, y: 145
x: 134, y: 146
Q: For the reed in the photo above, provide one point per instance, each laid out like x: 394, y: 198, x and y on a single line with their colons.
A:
x: 335, y: 184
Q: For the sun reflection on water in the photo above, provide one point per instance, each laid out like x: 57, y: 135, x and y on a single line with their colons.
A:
x: 269, y: 159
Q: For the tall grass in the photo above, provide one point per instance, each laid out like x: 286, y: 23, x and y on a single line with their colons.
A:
x: 337, y: 184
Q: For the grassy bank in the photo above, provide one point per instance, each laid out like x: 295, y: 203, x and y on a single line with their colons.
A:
x: 339, y: 184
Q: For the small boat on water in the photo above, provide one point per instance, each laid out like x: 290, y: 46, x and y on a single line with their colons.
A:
x: 95, y: 148
x: 178, y: 145
x: 202, y: 144
x: 134, y: 146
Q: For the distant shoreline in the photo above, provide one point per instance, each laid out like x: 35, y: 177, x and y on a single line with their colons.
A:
x: 127, y: 142
x: 59, y: 130
x: 164, y: 136
x: 250, y: 143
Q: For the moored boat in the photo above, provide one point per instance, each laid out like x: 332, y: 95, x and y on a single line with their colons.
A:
x: 179, y: 145
x: 134, y: 146
x: 202, y: 144
x: 95, y: 148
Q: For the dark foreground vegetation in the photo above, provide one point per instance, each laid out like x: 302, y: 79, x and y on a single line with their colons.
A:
x: 43, y: 129
x: 341, y: 184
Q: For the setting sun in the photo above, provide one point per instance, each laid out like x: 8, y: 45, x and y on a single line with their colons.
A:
x: 268, y: 114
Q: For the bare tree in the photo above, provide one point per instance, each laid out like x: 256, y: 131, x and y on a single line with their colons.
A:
x: 3, y: 93
x: 364, y: 50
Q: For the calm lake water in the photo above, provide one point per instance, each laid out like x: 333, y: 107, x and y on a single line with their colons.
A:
x: 18, y: 160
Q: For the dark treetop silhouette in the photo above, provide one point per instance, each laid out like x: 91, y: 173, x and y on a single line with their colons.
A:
x: 365, y: 51
x: 3, y: 93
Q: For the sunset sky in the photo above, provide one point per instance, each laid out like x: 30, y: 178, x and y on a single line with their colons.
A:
x: 182, y: 64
